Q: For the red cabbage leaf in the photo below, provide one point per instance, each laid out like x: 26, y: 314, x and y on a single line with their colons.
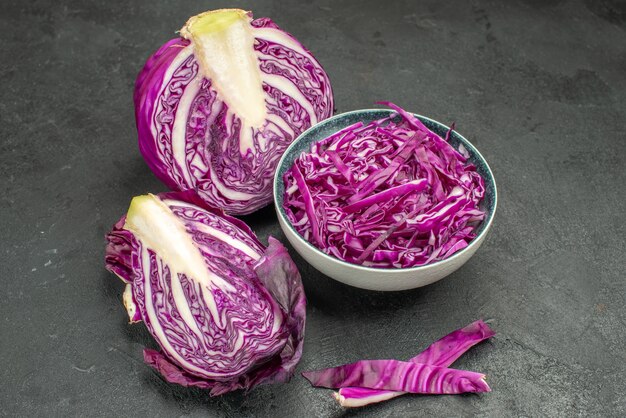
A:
x: 399, y: 376
x: 442, y: 352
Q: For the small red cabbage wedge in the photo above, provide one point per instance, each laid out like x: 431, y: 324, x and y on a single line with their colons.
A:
x: 443, y: 353
x: 217, y: 107
x: 227, y: 312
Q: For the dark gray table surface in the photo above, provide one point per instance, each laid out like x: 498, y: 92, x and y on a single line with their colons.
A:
x: 538, y: 86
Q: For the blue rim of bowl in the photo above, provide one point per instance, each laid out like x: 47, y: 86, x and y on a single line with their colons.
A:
x: 484, y: 226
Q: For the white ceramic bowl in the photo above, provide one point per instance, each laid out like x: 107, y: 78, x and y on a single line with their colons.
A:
x: 378, y: 278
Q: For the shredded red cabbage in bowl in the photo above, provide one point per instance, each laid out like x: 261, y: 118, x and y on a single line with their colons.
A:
x: 389, y: 194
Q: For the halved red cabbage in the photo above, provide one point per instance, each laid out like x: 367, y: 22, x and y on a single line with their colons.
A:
x: 389, y: 194
x: 227, y: 312
x: 399, y: 376
x: 216, y: 108
x: 442, y: 353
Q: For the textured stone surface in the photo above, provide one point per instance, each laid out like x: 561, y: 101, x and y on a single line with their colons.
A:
x: 538, y: 86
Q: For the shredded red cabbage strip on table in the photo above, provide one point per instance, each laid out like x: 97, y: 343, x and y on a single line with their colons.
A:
x: 389, y: 194
x: 404, y: 376
x: 442, y: 353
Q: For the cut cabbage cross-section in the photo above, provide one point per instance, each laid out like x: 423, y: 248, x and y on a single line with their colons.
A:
x: 216, y: 108
x: 227, y: 312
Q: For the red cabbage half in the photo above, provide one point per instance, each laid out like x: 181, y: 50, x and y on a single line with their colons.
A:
x: 217, y: 107
x: 227, y: 312
x: 389, y: 194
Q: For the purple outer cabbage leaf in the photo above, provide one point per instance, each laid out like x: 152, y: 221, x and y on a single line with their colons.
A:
x: 398, y: 375
x: 389, y: 194
x: 192, y: 140
x: 442, y: 353
x: 233, y: 322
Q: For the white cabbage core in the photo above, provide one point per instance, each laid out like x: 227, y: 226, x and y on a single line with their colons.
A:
x: 159, y: 230
x: 223, y: 44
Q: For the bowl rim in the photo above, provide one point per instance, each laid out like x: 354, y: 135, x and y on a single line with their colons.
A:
x: 476, y: 241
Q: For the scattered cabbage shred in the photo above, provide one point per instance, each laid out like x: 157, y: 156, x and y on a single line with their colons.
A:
x: 371, y: 381
x: 442, y: 353
x: 389, y: 194
x: 227, y: 312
